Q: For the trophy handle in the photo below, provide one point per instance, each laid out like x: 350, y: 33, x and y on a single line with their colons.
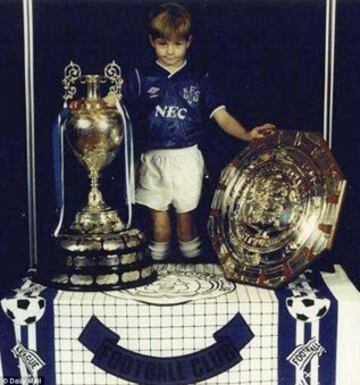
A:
x: 112, y: 72
x: 72, y: 72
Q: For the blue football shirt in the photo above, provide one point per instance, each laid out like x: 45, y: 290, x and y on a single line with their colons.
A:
x: 173, y: 106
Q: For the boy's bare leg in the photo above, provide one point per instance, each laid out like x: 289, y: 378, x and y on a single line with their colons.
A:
x: 185, y: 227
x: 161, y: 225
x: 160, y: 245
x: 189, y: 241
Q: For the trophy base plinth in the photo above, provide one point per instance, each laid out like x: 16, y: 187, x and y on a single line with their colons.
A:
x: 102, y: 220
x: 102, y: 262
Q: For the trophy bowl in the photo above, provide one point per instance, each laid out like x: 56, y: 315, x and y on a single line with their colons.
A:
x: 276, y: 208
x: 97, y: 252
x: 95, y: 132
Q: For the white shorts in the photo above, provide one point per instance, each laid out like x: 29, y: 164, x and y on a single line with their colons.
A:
x: 171, y: 177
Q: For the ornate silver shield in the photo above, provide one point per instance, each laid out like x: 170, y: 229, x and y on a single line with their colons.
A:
x: 276, y: 208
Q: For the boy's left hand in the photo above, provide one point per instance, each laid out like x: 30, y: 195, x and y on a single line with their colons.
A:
x: 259, y: 132
x: 111, y: 98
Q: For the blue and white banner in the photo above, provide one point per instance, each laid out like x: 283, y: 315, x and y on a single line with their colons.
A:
x: 27, y: 335
x: 307, y: 332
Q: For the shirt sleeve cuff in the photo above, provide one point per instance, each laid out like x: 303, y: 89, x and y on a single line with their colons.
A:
x: 216, y: 109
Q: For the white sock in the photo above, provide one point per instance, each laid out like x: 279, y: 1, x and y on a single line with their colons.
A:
x: 159, y: 250
x: 190, y: 249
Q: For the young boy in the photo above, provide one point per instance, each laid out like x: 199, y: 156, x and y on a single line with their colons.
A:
x: 175, y: 99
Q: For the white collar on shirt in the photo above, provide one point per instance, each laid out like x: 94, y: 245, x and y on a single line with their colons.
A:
x: 171, y: 73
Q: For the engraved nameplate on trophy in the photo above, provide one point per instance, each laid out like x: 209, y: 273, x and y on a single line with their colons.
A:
x: 275, y: 208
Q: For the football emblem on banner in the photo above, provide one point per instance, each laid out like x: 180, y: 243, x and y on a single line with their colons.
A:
x: 307, y: 308
x: 24, y: 311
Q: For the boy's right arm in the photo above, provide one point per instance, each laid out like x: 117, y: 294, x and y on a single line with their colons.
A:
x: 130, y: 91
x: 111, y: 98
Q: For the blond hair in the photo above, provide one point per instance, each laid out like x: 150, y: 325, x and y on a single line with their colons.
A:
x: 170, y: 21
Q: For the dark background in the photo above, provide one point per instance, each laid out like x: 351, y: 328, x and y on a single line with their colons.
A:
x: 268, y: 57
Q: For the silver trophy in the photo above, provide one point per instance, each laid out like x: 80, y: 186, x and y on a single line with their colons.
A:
x: 97, y: 251
x: 276, y: 208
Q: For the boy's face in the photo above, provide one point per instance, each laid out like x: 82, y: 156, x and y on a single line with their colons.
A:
x: 170, y: 52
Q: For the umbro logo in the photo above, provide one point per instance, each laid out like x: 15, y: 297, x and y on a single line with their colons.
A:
x: 153, y: 92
